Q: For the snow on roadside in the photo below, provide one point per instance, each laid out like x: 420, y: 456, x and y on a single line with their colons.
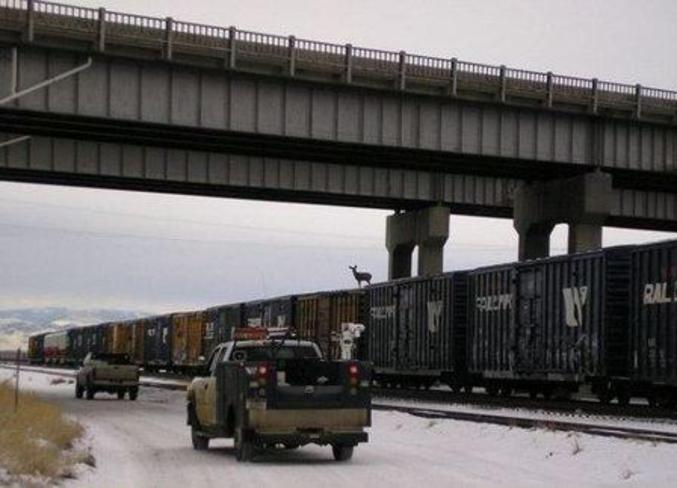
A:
x: 146, y: 443
x: 659, y: 424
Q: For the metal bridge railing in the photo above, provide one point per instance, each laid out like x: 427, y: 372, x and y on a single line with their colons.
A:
x: 240, y: 47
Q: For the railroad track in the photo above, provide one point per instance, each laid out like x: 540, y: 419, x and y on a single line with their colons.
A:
x: 565, y: 408
x: 629, y: 433
x: 573, y: 407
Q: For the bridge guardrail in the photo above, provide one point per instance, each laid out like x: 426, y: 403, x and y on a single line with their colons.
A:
x: 403, y: 69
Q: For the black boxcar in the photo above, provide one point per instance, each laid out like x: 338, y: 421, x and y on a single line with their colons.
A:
x: 220, y: 322
x: 157, y: 350
x: 653, y: 321
x: 79, y: 343
x: 94, y: 336
x: 273, y: 312
x: 553, y: 324
x: 417, y: 330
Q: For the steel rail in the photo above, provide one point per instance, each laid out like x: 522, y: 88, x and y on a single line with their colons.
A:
x: 531, y: 423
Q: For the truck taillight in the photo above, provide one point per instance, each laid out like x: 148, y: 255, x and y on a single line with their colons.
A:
x: 353, y: 377
x: 260, y: 379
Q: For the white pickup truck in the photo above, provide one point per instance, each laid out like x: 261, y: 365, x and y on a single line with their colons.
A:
x: 112, y: 373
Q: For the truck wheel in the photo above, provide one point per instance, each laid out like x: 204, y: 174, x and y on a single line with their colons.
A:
x: 79, y: 391
x: 90, y: 392
x: 121, y: 394
x: 133, y: 393
x: 200, y: 442
x: 341, y: 452
x: 244, y: 449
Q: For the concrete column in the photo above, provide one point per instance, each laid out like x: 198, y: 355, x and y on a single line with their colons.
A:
x: 432, y: 233
x: 534, y: 241
x: 400, y: 242
x: 582, y: 201
x: 399, y: 262
x: 584, y: 237
x: 427, y: 228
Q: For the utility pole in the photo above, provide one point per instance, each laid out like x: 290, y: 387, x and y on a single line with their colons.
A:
x: 16, y: 386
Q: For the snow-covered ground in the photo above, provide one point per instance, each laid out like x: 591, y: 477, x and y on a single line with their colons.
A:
x: 147, y: 444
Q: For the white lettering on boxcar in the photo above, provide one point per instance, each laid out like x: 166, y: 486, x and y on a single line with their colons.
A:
x: 494, y: 303
x: 382, y: 312
x: 657, y: 293
x: 575, y: 298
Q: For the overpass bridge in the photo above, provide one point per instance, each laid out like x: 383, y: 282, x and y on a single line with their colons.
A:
x: 108, y: 99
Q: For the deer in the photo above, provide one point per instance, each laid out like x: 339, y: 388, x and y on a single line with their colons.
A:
x: 360, y: 276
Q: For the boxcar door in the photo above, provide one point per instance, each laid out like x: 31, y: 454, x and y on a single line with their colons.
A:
x: 527, y: 321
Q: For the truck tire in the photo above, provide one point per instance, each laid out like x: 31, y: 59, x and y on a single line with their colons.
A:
x: 133, y: 393
x: 244, y: 449
x: 90, y: 392
x: 121, y: 394
x: 200, y: 442
x: 79, y: 391
x: 342, y: 452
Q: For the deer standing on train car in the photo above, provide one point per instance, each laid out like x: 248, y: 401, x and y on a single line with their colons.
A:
x: 360, y: 276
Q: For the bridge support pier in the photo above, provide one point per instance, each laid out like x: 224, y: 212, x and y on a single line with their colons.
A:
x: 582, y: 201
x: 428, y: 229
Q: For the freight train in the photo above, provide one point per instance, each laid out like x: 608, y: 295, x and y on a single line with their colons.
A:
x: 604, y: 320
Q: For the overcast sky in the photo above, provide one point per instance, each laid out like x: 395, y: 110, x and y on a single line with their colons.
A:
x: 87, y: 248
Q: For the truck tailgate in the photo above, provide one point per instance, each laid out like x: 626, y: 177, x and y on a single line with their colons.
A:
x: 119, y: 373
x: 311, y: 384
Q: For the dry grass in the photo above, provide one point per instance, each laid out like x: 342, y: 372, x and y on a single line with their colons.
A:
x: 38, y: 439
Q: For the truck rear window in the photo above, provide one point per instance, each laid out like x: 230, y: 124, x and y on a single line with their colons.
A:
x: 267, y: 353
x: 117, y: 359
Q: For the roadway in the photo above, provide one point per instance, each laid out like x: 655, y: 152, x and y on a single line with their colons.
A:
x: 147, y: 444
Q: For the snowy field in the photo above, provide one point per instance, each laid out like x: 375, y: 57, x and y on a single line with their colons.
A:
x: 147, y: 444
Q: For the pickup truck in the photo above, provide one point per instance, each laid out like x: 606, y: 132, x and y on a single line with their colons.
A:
x: 267, y: 393
x: 112, y: 373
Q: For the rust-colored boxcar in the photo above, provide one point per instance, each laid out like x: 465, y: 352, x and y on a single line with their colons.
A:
x: 188, y: 330
x: 319, y: 316
x: 138, y: 336
x: 36, y: 348
x: 123, y: 338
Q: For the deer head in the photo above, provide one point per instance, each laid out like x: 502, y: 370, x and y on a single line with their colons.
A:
x: 354, y: 268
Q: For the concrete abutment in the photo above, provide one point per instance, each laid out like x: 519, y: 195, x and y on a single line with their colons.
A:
x: 583, y: 202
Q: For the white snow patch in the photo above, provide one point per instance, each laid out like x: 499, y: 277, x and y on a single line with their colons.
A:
x: 147, y: 444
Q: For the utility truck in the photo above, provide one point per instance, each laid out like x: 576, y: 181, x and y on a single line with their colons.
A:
x: 279, y: 392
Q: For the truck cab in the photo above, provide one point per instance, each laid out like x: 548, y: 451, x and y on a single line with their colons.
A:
x: 267, y: 393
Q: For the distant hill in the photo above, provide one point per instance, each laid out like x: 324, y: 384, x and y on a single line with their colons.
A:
x: 16, y: 325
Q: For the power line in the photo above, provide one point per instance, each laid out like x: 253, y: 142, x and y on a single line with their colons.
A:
x: 190, y: 221
x: 167, y: 238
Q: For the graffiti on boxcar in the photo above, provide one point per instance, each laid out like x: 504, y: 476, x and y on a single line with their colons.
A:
x: 575, y: 299
x: 434, y: 315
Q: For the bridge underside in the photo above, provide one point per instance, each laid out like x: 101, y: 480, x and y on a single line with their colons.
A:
x: 117, y: 165
x: 126, y: 112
